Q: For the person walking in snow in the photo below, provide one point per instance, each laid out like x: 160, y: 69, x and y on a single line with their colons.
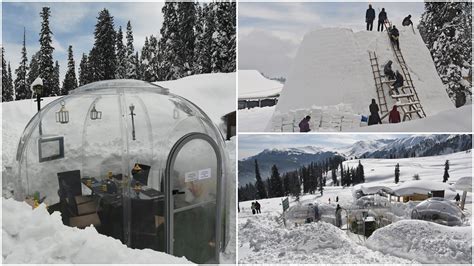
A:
x: 337, y: 198
x: 457, y: 198
x: 304, y: 124
x: 338, y: 216
x: 398, y: 82
x: 382, y: 18
x: 407, y: 21
x: 257, y: 207
x: 253, y: 207
x: 374, y: 117
x: 394, y: 116
x: 394, y: 36
x: 369, y: 18
x: 329, y: 200
x: 388, y: 72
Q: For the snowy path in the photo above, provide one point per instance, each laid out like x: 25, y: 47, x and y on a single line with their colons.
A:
x: 262, y: 239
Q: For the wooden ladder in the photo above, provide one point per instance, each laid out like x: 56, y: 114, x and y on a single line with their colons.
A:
x: 374, y: 64
x: 407, y: 92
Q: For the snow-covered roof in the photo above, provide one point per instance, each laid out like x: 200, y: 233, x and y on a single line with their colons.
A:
x: 420, y: 187
x: 464, y: 183
x: 370, y: 189
x: 252, y: 84
x: 213, y: 93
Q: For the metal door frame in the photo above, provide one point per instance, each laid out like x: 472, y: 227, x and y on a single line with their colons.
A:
x: 169, y: 201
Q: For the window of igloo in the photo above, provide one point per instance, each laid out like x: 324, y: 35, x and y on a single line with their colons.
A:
x: 140, y: 164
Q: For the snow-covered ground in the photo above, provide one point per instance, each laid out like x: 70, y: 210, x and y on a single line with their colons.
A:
x: 35, y: 236
x: 263, y: 238
x: 253, y: 85
x: 453, y: 120
x: 203, y: 90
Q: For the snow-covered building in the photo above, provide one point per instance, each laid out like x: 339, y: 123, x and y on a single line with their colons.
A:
x: 255, y: 90
x: 141, y: 164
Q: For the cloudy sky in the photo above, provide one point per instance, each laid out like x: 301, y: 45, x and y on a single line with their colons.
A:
x: 250, y: 145
x: 270, y: 33
x: 72, y: 24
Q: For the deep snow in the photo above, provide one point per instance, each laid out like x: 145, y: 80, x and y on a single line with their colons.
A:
x: 263, y: 238
x: 253, y: 85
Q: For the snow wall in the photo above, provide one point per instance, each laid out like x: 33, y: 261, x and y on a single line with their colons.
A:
x: 332, y: 71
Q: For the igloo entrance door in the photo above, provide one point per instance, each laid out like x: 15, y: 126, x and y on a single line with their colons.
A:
x: 192, y: 183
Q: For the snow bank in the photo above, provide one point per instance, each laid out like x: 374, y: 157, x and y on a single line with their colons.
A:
x: 254, y: 119
x: 423, y: 241
x: 332, y: 67
x: 263, y: 240
x: 34, y: 236
x: 214, y: 93
x: 253, y: 85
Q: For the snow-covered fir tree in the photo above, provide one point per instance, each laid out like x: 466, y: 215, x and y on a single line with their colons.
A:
x: 446, y: 28
x: 22, y: 90
x: 130, y: 54
x: 223, y: 45
x: 187, y: 20
x: 203, y: 37
x: 121, y: 71
x: 7, y: 83
x: 33, y: 72
x: 55, y: 83
x: 45, y: 59
x: 84, y: 74
x: 154, y: 57
x: 137, y: 67
x: 102, y: 61
x: 146, y: 69
x: 70, y: 81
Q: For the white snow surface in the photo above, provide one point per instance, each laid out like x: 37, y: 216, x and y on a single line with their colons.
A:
x: 425, y: 242
x: 254, y: 119
x: 214, y: 93
x: 264, y: 239
x: 35, y: 236
x: 252, y: 84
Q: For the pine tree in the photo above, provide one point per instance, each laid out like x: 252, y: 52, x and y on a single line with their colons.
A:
x: 33, y: 72
x: 203, y: 46
x: 84, y: 76
x: 130, y: 54
x: 261, y: 192
x: 7, y: 82
x: 360, y: 178
x: 155, y: 58
x: 446, y: 28
x: 55, y: 84
x: 102, y: 60
x: 22, y: 90
x: 397, y: 173
x: 446, y: 169
x: 136, y: 60
x: 223, y: 46
x: 146, y: 67
x: 276, y: 186
x: 334, y: 176
x: 70, y: 81
x: 45, y: 59
x: 187, y: 20
x: 121, y: 71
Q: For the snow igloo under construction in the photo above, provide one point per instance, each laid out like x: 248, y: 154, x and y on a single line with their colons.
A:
x: 141, y: 164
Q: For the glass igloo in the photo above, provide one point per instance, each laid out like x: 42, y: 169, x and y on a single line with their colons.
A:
x: 140, y: 164
x: 438, y: 210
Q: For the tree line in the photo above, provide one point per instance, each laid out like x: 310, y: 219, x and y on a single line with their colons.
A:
x: 309, y: 178
x: 195, y: 38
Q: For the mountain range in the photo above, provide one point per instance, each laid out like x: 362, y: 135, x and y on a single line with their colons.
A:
x: 289, y: 159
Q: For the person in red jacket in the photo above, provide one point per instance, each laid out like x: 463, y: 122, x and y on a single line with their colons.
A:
x: 394, y: 115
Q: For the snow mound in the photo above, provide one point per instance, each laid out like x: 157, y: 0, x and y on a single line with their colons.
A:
x: 253, y: 85
x: 269, y: 242
x: 421, y: 187
x: 332, y: 67
x: 213, y: 93
x: 34, y: 236
x: 423, y: 241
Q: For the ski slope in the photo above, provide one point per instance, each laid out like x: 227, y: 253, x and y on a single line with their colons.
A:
x: 331, y: 76
x: 263, y: 238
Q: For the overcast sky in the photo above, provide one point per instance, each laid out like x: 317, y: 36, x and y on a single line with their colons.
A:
x: 250, y: 145
x: 72, y: 24
x: 270, y: 33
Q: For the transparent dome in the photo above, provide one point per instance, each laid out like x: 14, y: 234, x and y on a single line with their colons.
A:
x: 151, y: 165
x: 371, y: 201
x: 438, y: 210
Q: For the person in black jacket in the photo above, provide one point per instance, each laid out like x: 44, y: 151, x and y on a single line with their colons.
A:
x: 382, y: 18
x: 407, y: 21
x: 374, y: 117
x: 398, y: 81
x: 369, y: 17
x: 394, y: 35
x: 387, y: 70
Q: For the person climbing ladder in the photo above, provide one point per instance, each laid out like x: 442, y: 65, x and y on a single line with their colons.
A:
x: 394, y: 36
